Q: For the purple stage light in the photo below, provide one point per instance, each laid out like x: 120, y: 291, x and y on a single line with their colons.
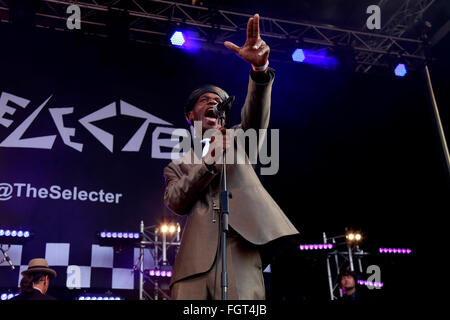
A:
x: 370, y: 283
x: 7, y: 233
x: 395, y: 250
x: 320, y: 246
x: 114, y: 235
x: 157, y: 273
x: 163, y: 273
x: 108, y: 234
x: 120, y: 235
x: 169, y: 274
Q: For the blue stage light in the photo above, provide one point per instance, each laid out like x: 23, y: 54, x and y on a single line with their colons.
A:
x: 317, y: 57
x: 298, y: 55
x: 400, y: 70
x: 177, y: 38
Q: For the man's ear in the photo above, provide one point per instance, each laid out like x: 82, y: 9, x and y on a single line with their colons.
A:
x: 190, y: 117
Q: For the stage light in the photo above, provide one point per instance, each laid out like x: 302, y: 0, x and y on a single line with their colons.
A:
x: 353, y: 237
x: 177, y: 39
x: 164, y: 272
x: 370, y: 283
x: 395, y: 250
x: 114, y: 238
x: 321, y: 246
x: 317, y: 57
x: 92, y: 297
x: 7, y: 295
x: 169, y: 228
x: 400, y: 70
x: 13, y: 236
x: 298, y: 55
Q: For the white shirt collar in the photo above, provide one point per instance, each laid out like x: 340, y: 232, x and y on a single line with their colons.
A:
x: 38, y: 289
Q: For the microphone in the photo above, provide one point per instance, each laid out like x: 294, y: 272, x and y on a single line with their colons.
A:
x: 7, y: 258
x: 224, y: 107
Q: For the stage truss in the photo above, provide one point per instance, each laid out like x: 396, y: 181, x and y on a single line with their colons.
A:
x: 153, y: 21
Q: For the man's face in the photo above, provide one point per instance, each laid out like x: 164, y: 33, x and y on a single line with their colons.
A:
x: 347, y: 282
x: 203, y: 111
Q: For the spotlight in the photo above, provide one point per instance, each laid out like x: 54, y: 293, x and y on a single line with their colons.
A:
x: 400, y: 70
x: 169, y: 228
x: 177, y: 39
x: 298, y: 55
x: 356, y: 237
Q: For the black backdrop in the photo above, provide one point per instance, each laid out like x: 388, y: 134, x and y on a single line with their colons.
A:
x: 356, y: 150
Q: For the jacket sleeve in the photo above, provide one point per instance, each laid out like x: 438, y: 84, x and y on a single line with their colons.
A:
x: 183, y: 189
x: 255, y: 113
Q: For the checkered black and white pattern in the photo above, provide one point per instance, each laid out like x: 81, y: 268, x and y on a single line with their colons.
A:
x: 96, y: 267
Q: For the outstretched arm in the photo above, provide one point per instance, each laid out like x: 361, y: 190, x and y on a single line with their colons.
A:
x: 256, y: 111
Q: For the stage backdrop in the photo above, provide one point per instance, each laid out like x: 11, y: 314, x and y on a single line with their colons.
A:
x: 84, y: 136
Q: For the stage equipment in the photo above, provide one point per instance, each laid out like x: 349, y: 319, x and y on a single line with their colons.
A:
x: 353, y: 237
x: 395, y: 250
x: 7, y: 295
x: 348, y: 254
x: 98, y: 297
x: 298, y: 55
x: 13, y: 236
x: 370, y: 283
x: 321, y: 246
x: 177, y: 39
x: 222, y: 111
x: 118, y: 239
x: 149, y: 21
x: 400, y: 70
x: 159, y: 239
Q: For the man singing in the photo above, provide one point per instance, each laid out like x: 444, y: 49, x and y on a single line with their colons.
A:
x: 192, y: 188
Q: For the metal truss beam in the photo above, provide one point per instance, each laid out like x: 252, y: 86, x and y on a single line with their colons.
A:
x: 401, y: 20
x: 152, y: 21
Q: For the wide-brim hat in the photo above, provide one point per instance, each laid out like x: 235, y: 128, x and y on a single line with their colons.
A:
x: 39, y: 265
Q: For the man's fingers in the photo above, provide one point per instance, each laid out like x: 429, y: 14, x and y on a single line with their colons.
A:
x: 250, y: 28
x: 256, y: 26
x: 232, y: 46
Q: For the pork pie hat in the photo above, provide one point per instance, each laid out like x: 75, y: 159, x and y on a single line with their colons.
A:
x: 193, y: 97
x: 39, y: 265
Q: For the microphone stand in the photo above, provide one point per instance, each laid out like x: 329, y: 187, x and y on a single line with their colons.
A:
x: 224, y: 196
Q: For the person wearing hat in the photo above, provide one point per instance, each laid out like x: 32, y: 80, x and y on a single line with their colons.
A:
x: 35, y: 281
x: 192, y: 188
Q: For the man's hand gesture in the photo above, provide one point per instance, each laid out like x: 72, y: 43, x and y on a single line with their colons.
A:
x: 254, y: 50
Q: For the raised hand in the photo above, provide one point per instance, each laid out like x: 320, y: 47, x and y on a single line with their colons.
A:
x: 254, y: 50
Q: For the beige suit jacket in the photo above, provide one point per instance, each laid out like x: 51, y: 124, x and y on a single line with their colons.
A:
x: 191, y: 189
